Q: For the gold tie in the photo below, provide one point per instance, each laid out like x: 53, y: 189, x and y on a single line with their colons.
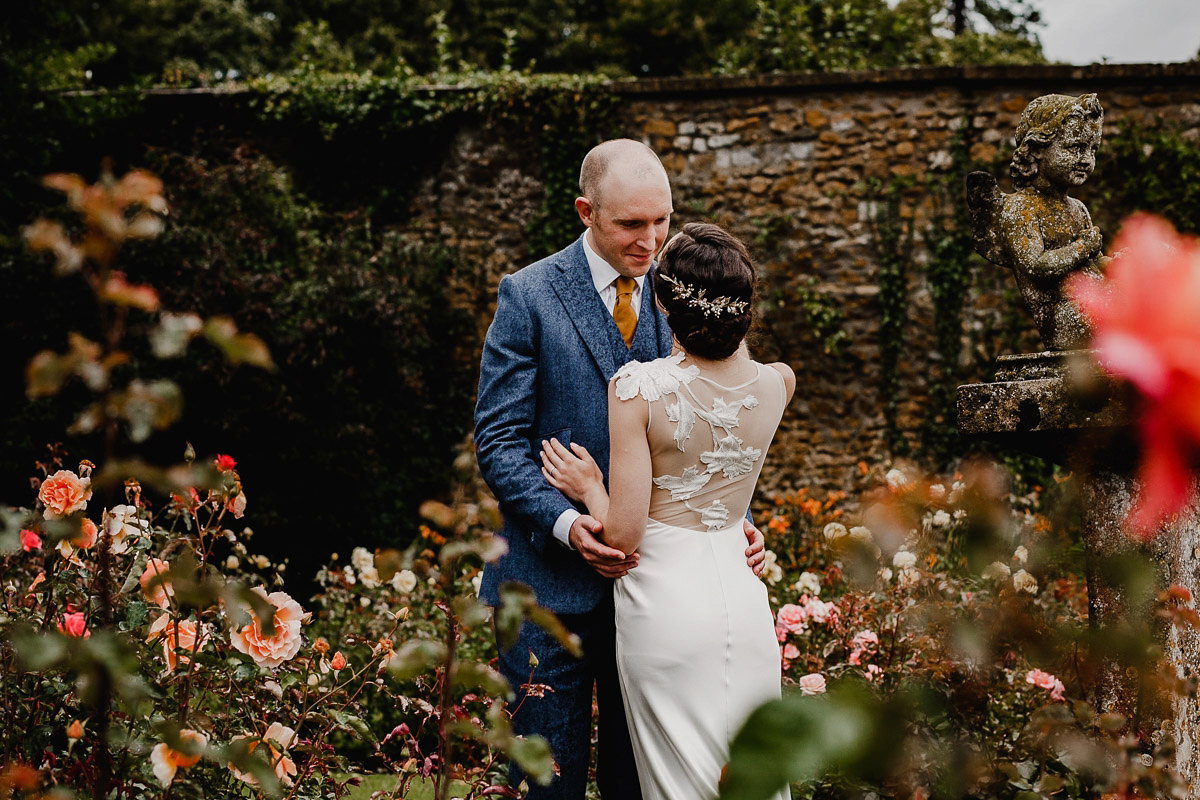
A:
x: 623, y: 310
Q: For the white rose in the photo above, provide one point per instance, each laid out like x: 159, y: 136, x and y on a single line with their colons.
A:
x: 941, y: 519
x: 369, y: 577
x: 809, y: 583
x: 1021, y: 555
x: 121, y: 523
x: 896, y: 479
x: 834, y: 531
x: 885, y: 574
x: 904, y: 559
x: 404, y: 581
x: 362, y: 559
x: 861, y: 533
x: 997, y: 571
x: 1024, y: 582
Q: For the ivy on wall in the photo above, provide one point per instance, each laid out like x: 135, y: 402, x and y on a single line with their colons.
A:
x: 1148, y: 168
x: 892, y: 238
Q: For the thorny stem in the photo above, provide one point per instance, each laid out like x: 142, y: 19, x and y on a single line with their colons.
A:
x: 442, y: 787
x: 103, y: 679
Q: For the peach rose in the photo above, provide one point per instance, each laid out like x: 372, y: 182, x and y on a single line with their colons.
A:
x: 64, y: 493
x: 812, y: 683
x: 161, y: 591
x: 167, y: 760
x: 278, y: 739
x: 188, y: 637
x: 271, y: 651
x: 237, y: 506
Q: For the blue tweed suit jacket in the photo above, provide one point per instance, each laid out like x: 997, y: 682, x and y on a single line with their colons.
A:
x: 549, y: 354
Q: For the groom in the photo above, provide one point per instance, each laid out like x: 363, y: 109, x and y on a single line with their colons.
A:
x: 563, y: 327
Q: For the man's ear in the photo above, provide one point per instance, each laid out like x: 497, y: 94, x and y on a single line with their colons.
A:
x: 587, y: 212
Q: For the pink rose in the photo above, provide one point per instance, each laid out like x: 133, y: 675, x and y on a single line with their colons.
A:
x: 812, y: 683
x: 30, y: 541
x: 64, y: 493
x: 790, y: 619
x: 271, y: 651
x: 864, y: 642
x: 821, y: 612
x: 74, y: 624
x: 161, y: 591
x: 1147, y: 330
x: 1044, y: 680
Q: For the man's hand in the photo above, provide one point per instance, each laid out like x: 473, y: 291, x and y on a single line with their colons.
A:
x: 608, y: 561
x: 756, y: 553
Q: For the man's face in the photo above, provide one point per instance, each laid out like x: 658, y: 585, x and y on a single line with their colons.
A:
x: 1069, y: 160
x: 628, y: 223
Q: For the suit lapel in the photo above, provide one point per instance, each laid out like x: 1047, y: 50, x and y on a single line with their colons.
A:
x: 585, y: 308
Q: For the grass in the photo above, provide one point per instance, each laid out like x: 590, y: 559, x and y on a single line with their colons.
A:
x: 420, y: 790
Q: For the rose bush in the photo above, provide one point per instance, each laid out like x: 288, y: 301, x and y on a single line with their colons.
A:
x: 935, y: 643
x: 143, y: 645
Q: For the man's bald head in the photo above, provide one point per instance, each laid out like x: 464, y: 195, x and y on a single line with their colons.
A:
x: 633, y: 159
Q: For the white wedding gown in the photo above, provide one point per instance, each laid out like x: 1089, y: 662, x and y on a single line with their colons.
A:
x: 696, y: 645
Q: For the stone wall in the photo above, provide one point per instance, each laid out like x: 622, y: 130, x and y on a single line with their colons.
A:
x: 788, y: 164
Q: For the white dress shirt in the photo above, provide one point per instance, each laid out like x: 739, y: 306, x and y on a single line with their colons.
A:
x: 604, y: 278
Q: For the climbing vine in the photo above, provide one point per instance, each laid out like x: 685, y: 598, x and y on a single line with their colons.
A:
x: 893, y: 241
x: 950, y: 269
x: 1148, y: 168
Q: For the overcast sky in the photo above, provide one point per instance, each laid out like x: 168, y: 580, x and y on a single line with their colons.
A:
x: 1121, y: 31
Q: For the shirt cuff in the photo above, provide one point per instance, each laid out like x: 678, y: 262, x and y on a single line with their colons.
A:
x: 562, y: 527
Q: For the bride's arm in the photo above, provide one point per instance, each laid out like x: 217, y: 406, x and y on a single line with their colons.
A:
x: 630, y: 479
x: 573, y: 472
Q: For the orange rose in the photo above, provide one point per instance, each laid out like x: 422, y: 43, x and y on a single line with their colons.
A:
x: 271, y: 651
x: 86, y: 538
x: 167, y: 760
x: 188, y: 636
x: 64, y: 493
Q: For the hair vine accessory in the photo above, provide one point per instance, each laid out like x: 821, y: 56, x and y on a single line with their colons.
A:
x: 696, y: 299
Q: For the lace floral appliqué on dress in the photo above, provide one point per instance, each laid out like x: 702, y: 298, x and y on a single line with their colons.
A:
x: 666, y: 380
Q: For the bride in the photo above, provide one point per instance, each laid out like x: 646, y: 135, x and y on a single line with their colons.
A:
x: 696, y: 646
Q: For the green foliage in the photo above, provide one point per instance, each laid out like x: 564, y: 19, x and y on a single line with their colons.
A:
x: 1147, y: 168
x: 804, y: 35
x: 76, y: 44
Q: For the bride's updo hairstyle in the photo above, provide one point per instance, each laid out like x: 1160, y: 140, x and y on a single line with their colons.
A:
x: 705, y: 281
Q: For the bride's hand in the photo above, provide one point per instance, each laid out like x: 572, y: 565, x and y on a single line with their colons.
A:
x: 573, y: 472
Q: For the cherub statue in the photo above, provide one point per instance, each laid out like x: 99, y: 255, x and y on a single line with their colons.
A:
x: 1039, y: 231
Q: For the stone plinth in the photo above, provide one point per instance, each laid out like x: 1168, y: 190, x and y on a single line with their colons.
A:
x: 1035, y: 402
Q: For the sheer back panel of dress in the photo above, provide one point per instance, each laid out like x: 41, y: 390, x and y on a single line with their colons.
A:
x: 707, y: 441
